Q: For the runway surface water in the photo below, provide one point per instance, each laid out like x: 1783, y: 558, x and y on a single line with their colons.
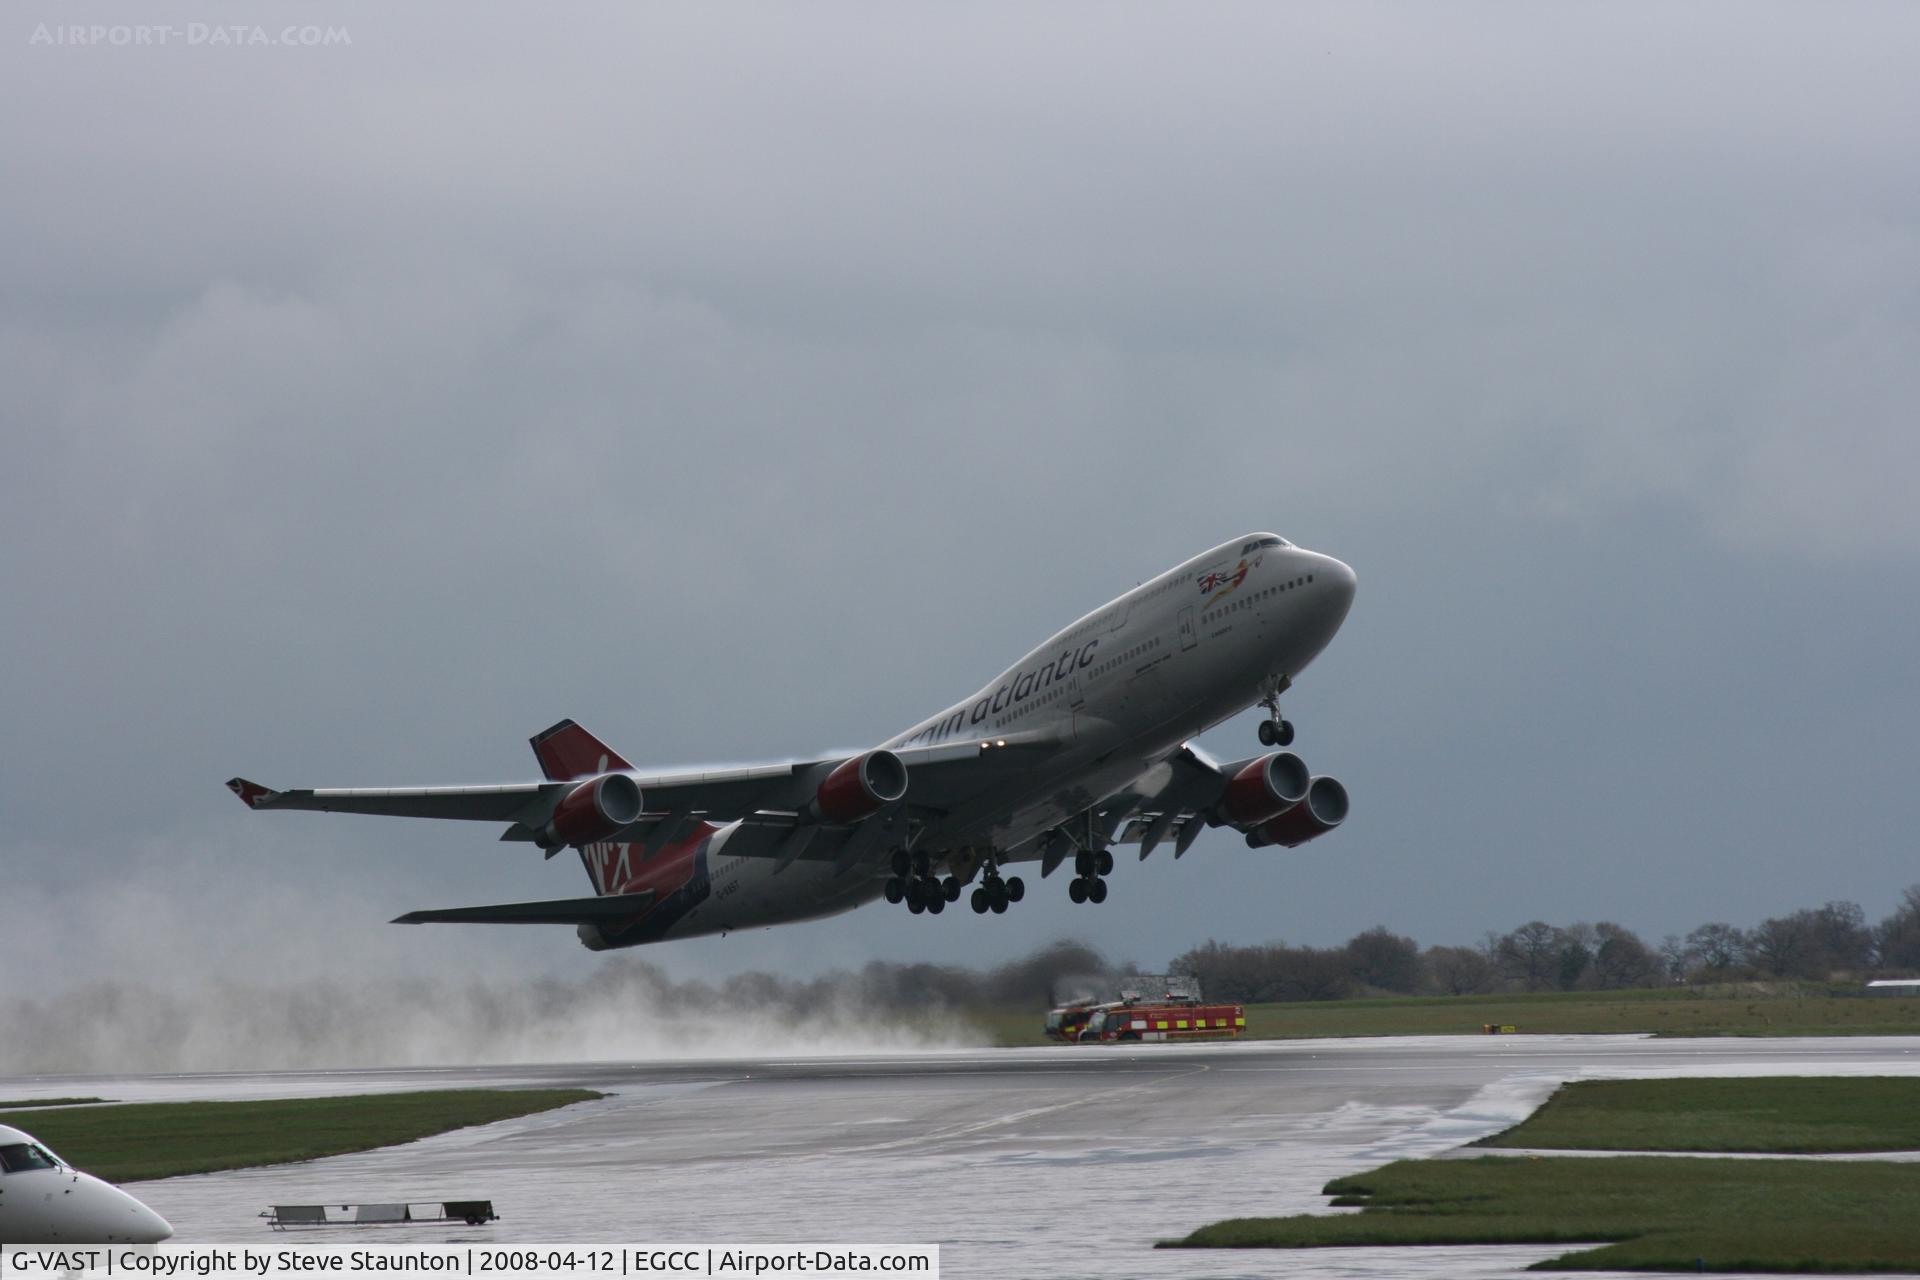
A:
x: 1065, y: 1161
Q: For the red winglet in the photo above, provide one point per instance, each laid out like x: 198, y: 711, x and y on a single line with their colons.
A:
x: 567, y: 751
x: 252, y: 794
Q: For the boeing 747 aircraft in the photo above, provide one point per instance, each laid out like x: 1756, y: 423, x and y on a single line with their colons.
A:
x: 1080, y: 746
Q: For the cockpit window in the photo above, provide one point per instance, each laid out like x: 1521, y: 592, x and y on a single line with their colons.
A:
x: 1275, y: 542
x: 1268, y: 541
x: 18, y: 1157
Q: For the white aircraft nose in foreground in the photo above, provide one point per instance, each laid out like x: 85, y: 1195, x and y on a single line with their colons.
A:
x: 1080, y: 746
x: 44, y: 1200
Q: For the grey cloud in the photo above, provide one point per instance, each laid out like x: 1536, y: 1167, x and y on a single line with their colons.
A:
x: 747, y: 382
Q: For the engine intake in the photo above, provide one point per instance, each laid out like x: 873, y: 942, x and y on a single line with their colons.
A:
x: 1324, y: 808
x: 593, y: 811
x: 859, y: 787
x: 1264, y: 789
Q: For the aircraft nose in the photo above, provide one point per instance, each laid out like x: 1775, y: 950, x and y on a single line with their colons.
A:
x: 116, y: 1215
x: 149, y: 1227
x: 1340, y: 576
x: 1336, y: 581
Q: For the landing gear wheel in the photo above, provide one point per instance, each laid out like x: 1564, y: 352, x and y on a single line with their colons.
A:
x: 1103, y: 863
x: 896, y: 889
x: 998, y: 906
x: 980, y: 902
x: 1016, y: 888
x: 902, y: 864
x: 1077, y: 890
x: 1285, y: 736
x: 1097, y: 891
x: 1083, y: 863
x: 922, y: 864
x: 950, y: 888
x: 936, y: 903
x: 914, y: 904
x: 1269, y: 734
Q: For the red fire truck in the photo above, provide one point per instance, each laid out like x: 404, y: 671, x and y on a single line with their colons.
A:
x: 1178, y: 1014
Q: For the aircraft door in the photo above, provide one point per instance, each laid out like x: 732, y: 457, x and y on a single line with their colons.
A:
x: 1188, y: 636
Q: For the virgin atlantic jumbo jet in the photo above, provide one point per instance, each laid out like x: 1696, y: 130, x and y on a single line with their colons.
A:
x: 1079, y: 746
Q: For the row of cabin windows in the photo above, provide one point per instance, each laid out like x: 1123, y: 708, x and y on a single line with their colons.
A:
x: 1264, y: 592
x: 1128, y: 656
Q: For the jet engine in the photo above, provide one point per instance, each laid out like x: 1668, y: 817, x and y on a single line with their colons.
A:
x: 593, y: 811
x: 1264, y: 789
x: 1324, y: 808
x: 858, y: 787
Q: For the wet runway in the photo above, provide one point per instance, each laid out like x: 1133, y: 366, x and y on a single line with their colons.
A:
x: 1063, y: 1161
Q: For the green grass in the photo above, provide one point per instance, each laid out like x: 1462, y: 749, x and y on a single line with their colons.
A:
x: 13, y: 1104
x: 1784, y: 1009
x: 1652, y: 1213
x: 1798, y: 1115
x: 132, y: 1142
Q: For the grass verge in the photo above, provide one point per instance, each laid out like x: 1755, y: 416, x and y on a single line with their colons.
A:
x: 20, y: 1104
x: 1797, y: 1115
x: 1655, y: 1214
x: 137, y: 1141
x: 1747, y: 1009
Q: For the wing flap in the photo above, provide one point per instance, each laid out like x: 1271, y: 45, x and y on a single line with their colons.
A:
x: 614, y: 906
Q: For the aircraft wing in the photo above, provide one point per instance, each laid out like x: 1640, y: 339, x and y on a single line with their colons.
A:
x: 937, y: 778
x: 479, y: 804
x: 559, y: 911
x: 770, y: 798
x: 1171, y: 799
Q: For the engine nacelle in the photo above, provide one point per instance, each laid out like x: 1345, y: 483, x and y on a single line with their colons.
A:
x: 859, y: 787
x: 1324, y: 808
x: 592, y: 937
x: 593, y: 811
x: 1264, y: 789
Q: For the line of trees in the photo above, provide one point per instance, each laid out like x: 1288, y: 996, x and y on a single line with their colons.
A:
x: 1832, y: 942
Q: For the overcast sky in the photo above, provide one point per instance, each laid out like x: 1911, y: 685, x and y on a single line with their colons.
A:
x: 750, y: 380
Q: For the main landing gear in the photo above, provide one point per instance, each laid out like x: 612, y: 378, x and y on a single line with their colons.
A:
x: 1089, y: 883
x: 993, y: 893
x: 1275, y: 732
x: 914, y: 883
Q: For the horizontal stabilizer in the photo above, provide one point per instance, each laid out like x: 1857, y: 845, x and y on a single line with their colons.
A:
x: 560, y: 911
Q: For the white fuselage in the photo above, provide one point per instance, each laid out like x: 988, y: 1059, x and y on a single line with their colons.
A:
x: 1112, y: 697
x: 44, y: 1201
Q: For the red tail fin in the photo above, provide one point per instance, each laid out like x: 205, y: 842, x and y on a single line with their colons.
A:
x: 568, y: 751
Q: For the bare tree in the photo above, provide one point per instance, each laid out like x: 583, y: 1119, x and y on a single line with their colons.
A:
x: 1673, y: 958
x: 1529, y: 954
x: 1573, y: 955
x: 1717, y: 947
x: 1781, y: 946
x: 1621, y: 959
x: 1897, y: 938
x: 1459, y: 971
x: 1384, y: 960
